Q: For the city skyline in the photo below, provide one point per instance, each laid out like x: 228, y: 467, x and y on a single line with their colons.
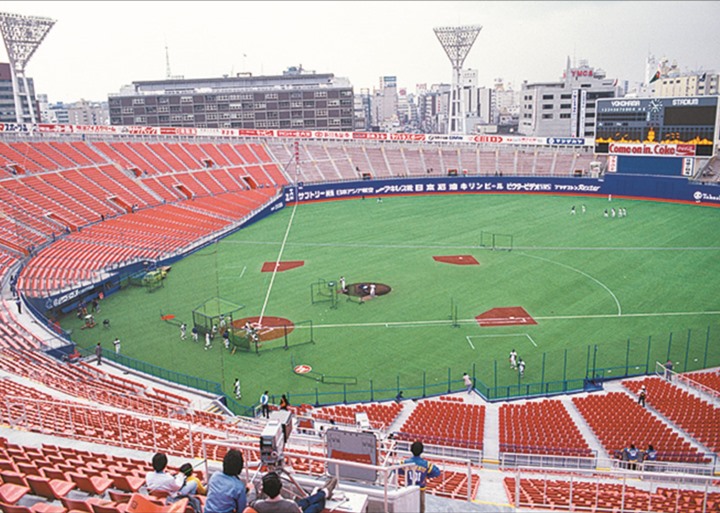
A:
x: 84, y: 57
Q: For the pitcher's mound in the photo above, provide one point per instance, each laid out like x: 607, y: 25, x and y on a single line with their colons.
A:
x: 457, y: 259
x: 363, y: 289
x: 509, y: 316
x: 269, y: 267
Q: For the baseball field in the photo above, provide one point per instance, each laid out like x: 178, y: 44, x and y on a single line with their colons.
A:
x: 460, y: 280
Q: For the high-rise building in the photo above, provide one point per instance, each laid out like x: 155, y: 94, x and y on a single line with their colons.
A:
x: 565, y: 108
x: 7, y: 101
x: 296, y: 99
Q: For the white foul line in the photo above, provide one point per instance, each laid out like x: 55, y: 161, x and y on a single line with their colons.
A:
x: 468, y: 337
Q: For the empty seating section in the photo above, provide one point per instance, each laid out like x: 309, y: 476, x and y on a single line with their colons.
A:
x: 413, y: 161
x: 695, y: 416
x: 540, y: 427
x: 395, y: 160
x: 564, y: 164
x: 52, y: 186
x: 112, y: 155
x: 430, y: 156
x: 379, y: 415
x: 451, y: 159
x: 228, y: 151
x: 122, y: 186
x: 127, y: 151
x: 93, y: 193
x: 179, y: 152
x: 321, y: 165
x: 149, y: 155
x: 506, y: 162
x: 618, y: 421
x: 525, y: 162
x: 446, y: 423
x: 376, y: 156
x: 342, y: 162
x: 22, y: 159
x: 544, y: 163
x: 88, y: 152
x: 451, y: 484
x: 217, y: 157
x: 164, y: 186
x: 276, y: 175
x: 556, y: 494
x: 53, y: 155
x: 469, y: 160
x: 581, y: 161
x: 38, y: 209
x: 13, y: 336
x: 25, y: 408
x: 246, y: 153
x: 488, y: 162
x: 360, y: 163
x: 710, y: 379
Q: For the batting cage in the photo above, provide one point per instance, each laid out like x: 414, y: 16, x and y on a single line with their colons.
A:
x: 323, y: 291
x: 216, y: 312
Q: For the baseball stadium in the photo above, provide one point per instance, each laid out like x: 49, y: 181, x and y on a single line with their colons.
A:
x: 527, y: 307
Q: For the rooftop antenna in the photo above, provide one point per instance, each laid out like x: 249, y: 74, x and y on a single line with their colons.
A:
x: 168, y: 74
x: 22, y: 36
x: 457, y: 41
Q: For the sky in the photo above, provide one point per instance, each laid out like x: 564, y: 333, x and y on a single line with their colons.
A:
x: 96, y: 47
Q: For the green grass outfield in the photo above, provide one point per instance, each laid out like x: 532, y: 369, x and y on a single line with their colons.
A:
x: 646, y: 281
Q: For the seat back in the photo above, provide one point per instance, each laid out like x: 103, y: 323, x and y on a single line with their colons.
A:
x: 141, y: 504
x: 41, y: 486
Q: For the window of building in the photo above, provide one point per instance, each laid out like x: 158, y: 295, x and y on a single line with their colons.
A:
x: 163, y: 99
x: 222, y: 98
x: 547, y: 116
x: 186, y: 99
x: 547, y: 106
x: 271, y: 96
x: 309, y: 104
x: 565, y: 115
x: 334, y: 122
x: 565, y: 96
x: 346, y: 93
x: 139, y: 119
x: 333, y: 103
x: 236, y: 106
x: 320, y: 94
x: 565, y: 105
x: 127, y: 110
x: 246, y: 96
x: 297, y: 122
x: 548, y: 96
x: 138, y: 101
x: 321, y: 113
x: 260, y: 105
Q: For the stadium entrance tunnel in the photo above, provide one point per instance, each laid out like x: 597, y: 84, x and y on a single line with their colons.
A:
x: 362, y: 289
x: 270, y: 328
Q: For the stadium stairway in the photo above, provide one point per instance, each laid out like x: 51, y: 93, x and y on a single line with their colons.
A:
x: 583, y: 426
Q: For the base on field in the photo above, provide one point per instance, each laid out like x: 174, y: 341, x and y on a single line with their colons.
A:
x: 269, y: 267
x: 507, y: 316
x: 457, y: 259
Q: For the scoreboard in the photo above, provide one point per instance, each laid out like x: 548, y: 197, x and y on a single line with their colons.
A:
x: 665, y: 127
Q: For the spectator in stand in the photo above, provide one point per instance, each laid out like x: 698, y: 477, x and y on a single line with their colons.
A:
x: 649, y: 458
x: 420, y: 471
x: 284, y: 403
x: 190, y: 486
x: 226, y: 492
x: 98, y: 353
x: 275, y: 503
x: 668, y: 369
x: 632, y: 455
x: 642, y: 396
x: 158, y: 479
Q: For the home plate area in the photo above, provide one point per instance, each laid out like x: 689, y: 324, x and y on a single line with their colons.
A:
x: 508, y: 316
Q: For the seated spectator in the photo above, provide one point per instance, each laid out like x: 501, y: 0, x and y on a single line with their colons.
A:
x: 190, y: 485
x: 275, y: 503
x: 226, y: 492
x: 158, y: 480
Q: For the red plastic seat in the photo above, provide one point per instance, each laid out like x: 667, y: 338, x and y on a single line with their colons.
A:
x: 94, y: 485
x: 10, y: 493
x: 53, y: 489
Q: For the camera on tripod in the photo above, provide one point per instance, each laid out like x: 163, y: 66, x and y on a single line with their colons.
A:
x: 274, y: 437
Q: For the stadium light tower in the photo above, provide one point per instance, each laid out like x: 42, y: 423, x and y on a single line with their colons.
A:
x: 456, y: 42
x: 22, y: 36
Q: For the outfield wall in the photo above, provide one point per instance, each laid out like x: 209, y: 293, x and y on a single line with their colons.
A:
x: 618, y: 184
